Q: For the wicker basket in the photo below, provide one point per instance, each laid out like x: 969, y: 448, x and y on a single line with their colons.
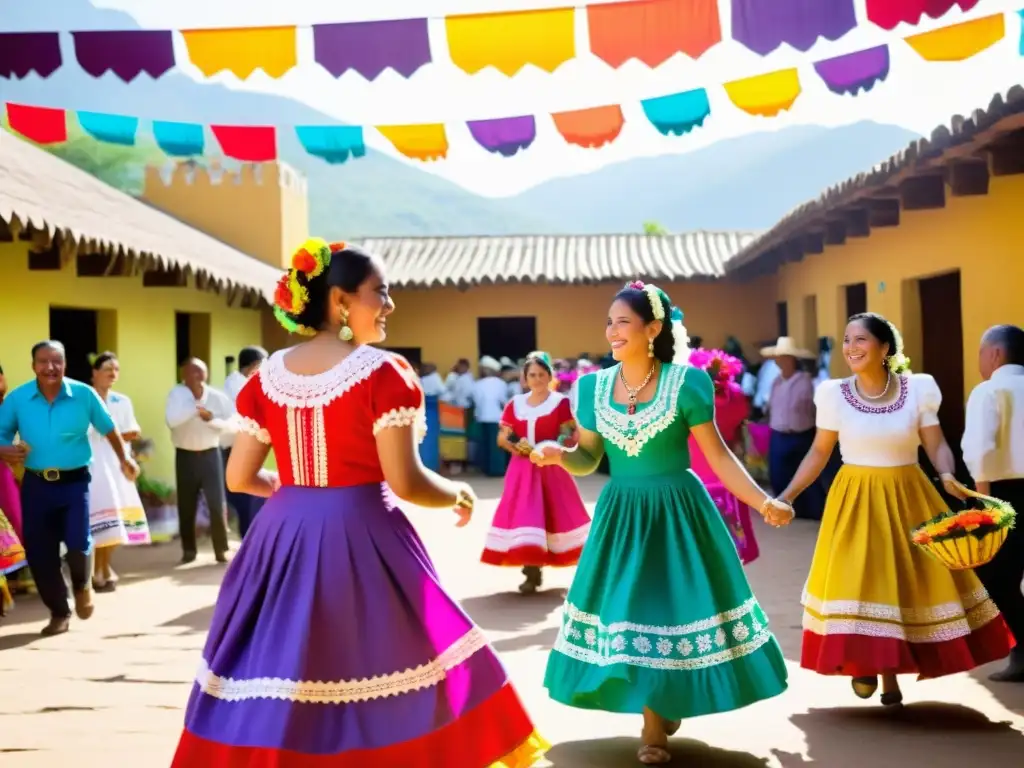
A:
x: 969, y: 549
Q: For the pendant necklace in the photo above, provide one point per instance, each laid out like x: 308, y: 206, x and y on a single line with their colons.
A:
x: 632, y: 393
x: 880, y: 395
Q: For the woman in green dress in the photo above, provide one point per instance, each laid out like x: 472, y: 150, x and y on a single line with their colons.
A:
x: 660, y: 619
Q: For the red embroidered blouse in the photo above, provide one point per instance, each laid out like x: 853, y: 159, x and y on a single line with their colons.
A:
x: 536, y: 423
x: 323, y: 428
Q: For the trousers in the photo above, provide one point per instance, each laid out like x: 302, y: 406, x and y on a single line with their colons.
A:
x: 785, y: 452
x: 1003, y: 574
x: 197, y: 471
x: 245, y: 505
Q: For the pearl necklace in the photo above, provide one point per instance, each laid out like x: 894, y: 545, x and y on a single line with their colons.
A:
x: 880, y: 395
x: 633, y: 393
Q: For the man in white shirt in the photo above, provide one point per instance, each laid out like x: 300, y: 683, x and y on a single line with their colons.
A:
x: 249, y: 361
x: 431, y: 381
x: 459, y: 385
x: 993, y: 449
x: 490, y: 393
x: 198, y: 416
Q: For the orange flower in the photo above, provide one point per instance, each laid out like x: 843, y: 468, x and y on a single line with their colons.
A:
x: 303, y: 261
x: 339, y: 246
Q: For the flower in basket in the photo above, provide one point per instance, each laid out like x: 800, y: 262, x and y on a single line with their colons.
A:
x: 723, y: 368
x: 966, y: 538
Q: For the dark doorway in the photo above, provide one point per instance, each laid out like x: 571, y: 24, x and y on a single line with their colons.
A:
x: 413, y: 354
x: 513, y: 337
x: 942, y: 353
x: 77, y: 330
x: 782, y: 318
x: 856, y: 299
x: 182, y: 337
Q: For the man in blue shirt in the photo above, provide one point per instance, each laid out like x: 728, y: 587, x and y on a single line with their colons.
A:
x: 52, y: 416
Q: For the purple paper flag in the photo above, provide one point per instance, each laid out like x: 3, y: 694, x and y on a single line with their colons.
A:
x: 126, y: 53
x: 855, y: 71
x: 23, y: 52
x: 370, y: 47
x: 764, y: 25
x: 504, y: 136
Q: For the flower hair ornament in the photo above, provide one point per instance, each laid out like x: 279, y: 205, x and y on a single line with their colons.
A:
x: 291, y: 297
x: 897, y: 362
x: 658, y: 299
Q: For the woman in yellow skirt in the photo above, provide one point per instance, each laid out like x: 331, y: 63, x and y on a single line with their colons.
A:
x: 876, y: 605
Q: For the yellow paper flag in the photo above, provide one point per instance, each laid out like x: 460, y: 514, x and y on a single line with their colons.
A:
x: 509, y: 41
x: 419, y: 142
x: 242, y: 51
x: 960, y: 41
x: 765, y: 95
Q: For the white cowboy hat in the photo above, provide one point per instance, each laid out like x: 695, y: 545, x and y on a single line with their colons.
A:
x: 785, y: 347
x: 507, y: 362
x: 489, y: 363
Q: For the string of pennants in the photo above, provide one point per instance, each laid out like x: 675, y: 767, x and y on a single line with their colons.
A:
x: 676, y: 114
x: 650, y: 31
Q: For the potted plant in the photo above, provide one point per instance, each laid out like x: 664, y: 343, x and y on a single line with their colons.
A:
x: 159, y: 499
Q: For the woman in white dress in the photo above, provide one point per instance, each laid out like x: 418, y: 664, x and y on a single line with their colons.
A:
x: 116, y: 515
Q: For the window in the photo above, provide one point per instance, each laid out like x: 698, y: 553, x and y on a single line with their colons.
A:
x: 856, y: 299
x: 782, y: 317
x: 513, y: 337
x: 413, y: 354
x: 78, y: 331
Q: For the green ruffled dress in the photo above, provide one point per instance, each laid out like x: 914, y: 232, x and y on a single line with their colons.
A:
x: 660, y: 613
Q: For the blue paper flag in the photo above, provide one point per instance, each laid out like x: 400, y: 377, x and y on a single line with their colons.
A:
x: 113, y: 129
x: 333, y: 143
x: 679, y: 113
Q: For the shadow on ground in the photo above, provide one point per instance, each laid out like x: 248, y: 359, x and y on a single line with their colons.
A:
x: 1010, y: 695
x: 928, y: 733
x: 615, y: 753
x: 511, y: 611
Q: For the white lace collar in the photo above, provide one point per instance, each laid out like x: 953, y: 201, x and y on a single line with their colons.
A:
x: 525, y: 412
x: 293, y: 390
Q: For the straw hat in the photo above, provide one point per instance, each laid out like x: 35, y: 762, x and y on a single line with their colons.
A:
x: 489, y: 363
x: 786, y: 347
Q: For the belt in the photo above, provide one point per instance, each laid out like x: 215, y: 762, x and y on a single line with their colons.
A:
x: 81, y: 474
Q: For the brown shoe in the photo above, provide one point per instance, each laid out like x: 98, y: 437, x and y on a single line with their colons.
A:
x: 58, y: 626
x: 83, y: 604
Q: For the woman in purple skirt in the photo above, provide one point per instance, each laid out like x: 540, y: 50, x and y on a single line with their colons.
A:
x: 332, y: 644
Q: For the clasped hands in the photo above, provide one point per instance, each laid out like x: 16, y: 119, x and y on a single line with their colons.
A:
x: 776, y: 512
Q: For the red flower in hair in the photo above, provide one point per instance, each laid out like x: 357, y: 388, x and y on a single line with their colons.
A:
x: 339, y: 246
x: 636, y: 285
x: 283, y: 294
x: 303, y: 261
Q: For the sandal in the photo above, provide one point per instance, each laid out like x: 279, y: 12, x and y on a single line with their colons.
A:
x: 652, y: 754
x: 864, y: 687
x: 671, y: 727
x: 892, y: 699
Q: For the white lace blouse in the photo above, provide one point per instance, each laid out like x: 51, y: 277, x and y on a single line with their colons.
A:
x: 879, y: 436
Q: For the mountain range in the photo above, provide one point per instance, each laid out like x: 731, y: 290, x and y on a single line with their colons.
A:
x: 742, y: 183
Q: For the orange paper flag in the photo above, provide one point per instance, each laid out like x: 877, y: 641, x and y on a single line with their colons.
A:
x: 419, y: 142
x: 765, y: 95
x: 652, y: 31
x: 960, y: 41
x: 242, y: 51
x: 510, y: 41
x: 590, y: 128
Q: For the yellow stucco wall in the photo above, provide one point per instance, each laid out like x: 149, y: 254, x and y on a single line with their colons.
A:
x: 979, y: 236
x: 135, y: 322
x: 570, y: 319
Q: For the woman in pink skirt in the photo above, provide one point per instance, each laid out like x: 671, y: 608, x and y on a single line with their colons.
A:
x: 541, y: 519
x: 731, y: 410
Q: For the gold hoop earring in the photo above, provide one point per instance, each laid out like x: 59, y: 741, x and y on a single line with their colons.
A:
x: 345, y: 334
x: 650, y: 347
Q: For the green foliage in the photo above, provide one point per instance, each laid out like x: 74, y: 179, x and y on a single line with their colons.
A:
x: 654, y: 228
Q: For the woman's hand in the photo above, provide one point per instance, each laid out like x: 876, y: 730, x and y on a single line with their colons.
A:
x: 523, y: 447
x: 953, y: 486
x: 465, y: 500
x: 777, y: 513
x: 547, y: 456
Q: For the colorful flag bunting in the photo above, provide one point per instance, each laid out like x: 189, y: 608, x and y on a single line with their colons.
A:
x: 764, y: 25
x: 889, y: 14
x: 504, y: 136
x: 333, y: 143
x: 418, y: 142
x: 652, y: 31
x: 765, y: 95
x: 126, y: 53
x: 25, y: 52
x: 43, y: 125
x: 248, y: 143
x: 113, y: 129
x: 243, y: 51
x: 590, y: 128
x: 960, y: 41
x: 179, y: 139
x: 370, y: 47
x: 679, y: 113
x: 855, y: 71
x: 509, y: 41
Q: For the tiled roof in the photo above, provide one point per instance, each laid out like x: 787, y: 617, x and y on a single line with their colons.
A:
x: 424, y: 262
x: 41, y: 190
x: 962, y: 137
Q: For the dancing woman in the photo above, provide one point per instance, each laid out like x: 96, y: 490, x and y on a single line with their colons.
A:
x: 541, y: 519
x: 332, y: 643
x: 660, y: 619
x: 875, y: 605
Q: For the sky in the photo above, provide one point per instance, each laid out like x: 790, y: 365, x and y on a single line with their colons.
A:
x: 917, y: 95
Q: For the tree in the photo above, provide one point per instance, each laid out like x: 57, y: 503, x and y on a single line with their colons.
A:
x: 654, y: 228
